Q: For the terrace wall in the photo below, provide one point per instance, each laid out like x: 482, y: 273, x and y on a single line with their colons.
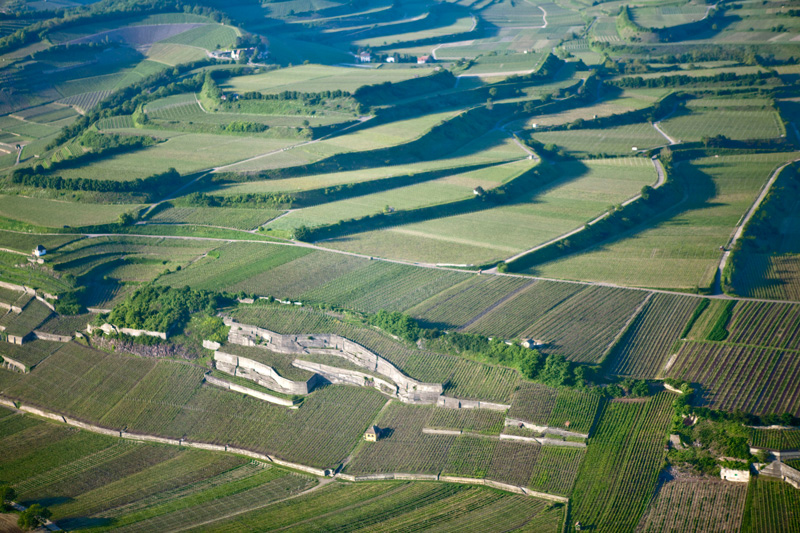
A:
x: 264, y: 375
x: 41, y: 335
x: 108, y: 329
x: 544, y: 429
x: 457, y: 403
x: 408, y: 390
x: 250, y: 392
x: 16, y: 364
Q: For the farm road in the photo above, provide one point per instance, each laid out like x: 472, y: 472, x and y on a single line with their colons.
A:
x: 740, y: 228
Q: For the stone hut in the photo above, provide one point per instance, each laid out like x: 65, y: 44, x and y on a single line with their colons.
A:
x: 372, y: 434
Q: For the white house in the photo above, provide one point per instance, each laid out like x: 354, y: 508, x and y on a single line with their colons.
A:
x: 390, y: 59
x: 39, y: 251
x: 421, y: 60
x: 364, y: 57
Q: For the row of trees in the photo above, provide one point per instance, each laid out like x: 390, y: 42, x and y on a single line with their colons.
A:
x: 152, y: 186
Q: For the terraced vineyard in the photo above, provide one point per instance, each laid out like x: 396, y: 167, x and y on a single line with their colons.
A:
x: 766, y: 324
x: 546, y: 406
x: 775, y: 439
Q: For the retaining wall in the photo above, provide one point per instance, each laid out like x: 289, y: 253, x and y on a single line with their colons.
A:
x: 41, y: 335
x: 250, y: 392
x: 16, y: 364
x: 260, y: 373
x: 341, y: 376
x: 408, y: 390
x: 457, y: 403
x: 543, y: 441
x: 544, y: 429
x: 111, y: 328
x: 13, y: 308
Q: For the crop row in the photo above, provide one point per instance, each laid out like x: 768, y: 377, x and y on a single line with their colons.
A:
x: 766, y: 324
x: 619, y: 473
x: 687, y: 506
x: 473, y: 420
x: 775, y: 439
x: 514, y: 316
x: 756, y: 380
x: 546, y: 406
x: 771, y: 507
x: 649, y: 341
x: 459, y: 305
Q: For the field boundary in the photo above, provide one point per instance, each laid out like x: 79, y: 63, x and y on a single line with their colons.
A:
x: 324, y: 473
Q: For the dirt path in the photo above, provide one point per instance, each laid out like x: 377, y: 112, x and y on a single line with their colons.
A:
x: 322, y: 482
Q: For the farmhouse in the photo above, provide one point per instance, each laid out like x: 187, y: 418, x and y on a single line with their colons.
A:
x: 39, y: 251
x: 372, y: 434
x: 421, y: 60
x: 364, y: 57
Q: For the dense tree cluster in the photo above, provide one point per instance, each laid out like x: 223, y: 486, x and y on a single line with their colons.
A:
x: 249, y: 200
x: 163, y: 308
x: 153, y: 185
x: 397, y: 324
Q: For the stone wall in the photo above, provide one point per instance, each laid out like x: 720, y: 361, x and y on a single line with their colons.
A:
x: 41, y: 335
x: 264, y: 375
x: 408, y: 390
x: 16, y: 364
x: 457, y: 403
x: 250, y: 392
x: 341, y: 376
x: 544, y: 429
x: 111, y: 328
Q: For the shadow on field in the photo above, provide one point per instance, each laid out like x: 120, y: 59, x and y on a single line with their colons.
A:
x: 83, y: 522
x: 699, y: 189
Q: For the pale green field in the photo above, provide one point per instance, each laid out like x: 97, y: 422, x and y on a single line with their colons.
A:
x: 173, y: 54
x: 681, y: 251
x: 316, y: 78
x: 374, y: 138
x: 736, y: 124
x: 390, y: 134
x: 448, y: 189
x: 585, y: 191
x: 53, y: 213
x: 618, y: 140
x: 460, y: 25
x: 186, y: 153
x: 627, y: 101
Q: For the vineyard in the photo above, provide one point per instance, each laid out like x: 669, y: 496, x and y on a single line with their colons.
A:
x: 618, y: 476
x: 463, y: 303
x: 772, y: 507
x: 471, y: 420
x: 775, y: 439
x: 383, y: 285
x: 757, y: 380
x: 686, y: 506
x: 245, y: 219
x: 650, y: 340
x: 393, y: 506
x: 231, y: 264
x: 545, y: 406
x: 514, y: 316
x: 766, y: 324
x: 403, y: 447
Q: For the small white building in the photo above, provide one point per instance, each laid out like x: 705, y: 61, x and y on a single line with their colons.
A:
x: 39, y: 251
x: 390, y: 59
x: 421, y: 60
x: 729, y: 474
x: 364, y: 57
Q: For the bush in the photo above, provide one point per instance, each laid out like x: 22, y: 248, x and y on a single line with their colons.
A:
x: 396, y: 323
x: 33, y: 516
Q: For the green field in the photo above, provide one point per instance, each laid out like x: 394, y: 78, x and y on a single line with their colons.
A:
x: 245, y: 219
x: 55, y: 214
x: 681, y: 250
x: 619, y: 473
x: 584, y: 191
x: 316, y: 78
x: 771, y: 506
x: 619, y: 140
x: 732, y: 123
